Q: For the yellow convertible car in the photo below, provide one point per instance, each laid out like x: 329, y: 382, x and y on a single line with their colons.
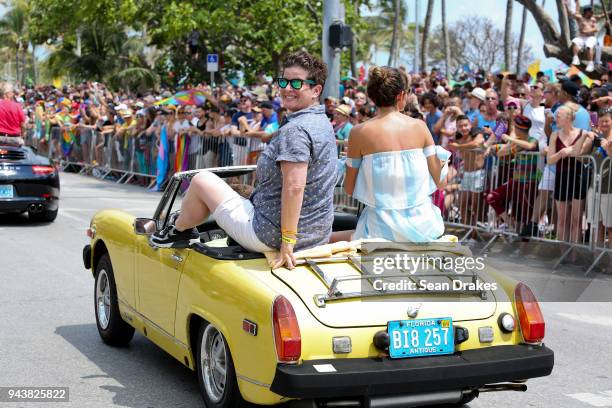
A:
x: 355, y: 324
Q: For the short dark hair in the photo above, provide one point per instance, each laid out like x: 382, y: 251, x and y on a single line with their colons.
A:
x: 385, y: 84
x: 431, y: 97
x: 461, y: 117
x: 317, y: 69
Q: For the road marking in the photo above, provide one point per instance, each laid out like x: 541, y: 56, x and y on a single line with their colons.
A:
x: 63, y: 213
x: 590, y: 319
x: 603, y: 399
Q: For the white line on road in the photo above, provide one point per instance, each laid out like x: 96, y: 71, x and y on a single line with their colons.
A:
x: 64, y: 213
x: 595, y: 400
x: 590, y: 319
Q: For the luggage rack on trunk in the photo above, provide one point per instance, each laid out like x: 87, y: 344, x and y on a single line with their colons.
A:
x: 334, y: 293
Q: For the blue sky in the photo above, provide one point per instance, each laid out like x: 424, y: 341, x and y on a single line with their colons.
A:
x: 496, y: 11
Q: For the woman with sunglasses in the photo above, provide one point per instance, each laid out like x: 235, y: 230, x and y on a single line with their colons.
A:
x: 393, y: 168
x: 292, y: 204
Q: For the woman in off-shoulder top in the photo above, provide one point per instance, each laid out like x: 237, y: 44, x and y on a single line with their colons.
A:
x: 393, y: 167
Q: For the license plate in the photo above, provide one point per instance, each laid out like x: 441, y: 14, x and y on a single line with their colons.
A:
x: 6, y: 191
x: 421, y: 337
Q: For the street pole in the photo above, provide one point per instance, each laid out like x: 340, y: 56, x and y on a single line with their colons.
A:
x: 331, y: 56
x: 416, y: 35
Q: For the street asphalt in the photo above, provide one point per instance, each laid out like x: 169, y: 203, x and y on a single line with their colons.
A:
x: 48, y: 334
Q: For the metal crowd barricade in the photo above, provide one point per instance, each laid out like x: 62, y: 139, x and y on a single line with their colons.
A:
x: 599, y: 212
x: 518, y: 198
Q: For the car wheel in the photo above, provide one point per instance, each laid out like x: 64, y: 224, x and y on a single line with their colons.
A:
x: 216, y: 374
x: 113, y: 330
x: 43, y: 216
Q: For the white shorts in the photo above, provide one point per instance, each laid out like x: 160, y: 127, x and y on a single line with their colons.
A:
x: 602, y: 213
x: 473, y: 181
x: 548, y: 178
x: 235, y: 217
x: 588, y: 42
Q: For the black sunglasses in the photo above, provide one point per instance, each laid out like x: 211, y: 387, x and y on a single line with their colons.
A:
x: 521, y: 94
x: 295, y: 83
x: 488, y: 98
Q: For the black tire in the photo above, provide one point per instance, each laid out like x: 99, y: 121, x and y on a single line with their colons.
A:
x: 111, y: 327
x: 43, y: 216
x: 230, y: 396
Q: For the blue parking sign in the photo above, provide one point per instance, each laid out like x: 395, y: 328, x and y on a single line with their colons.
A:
x: 212, y: 62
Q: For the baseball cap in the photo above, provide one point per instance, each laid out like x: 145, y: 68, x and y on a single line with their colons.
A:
x: 512, y: 101
x: 571, y: 88
x: 266, y: 105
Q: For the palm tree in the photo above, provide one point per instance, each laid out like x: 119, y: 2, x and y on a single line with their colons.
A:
x: 109, y: 55
x: 521, y: 41
x: 14, y: 34
x: 380, y: 28
x: 394, y: 38
x: 508, y: 35
x: 425, y: 45
x: 447, y: 51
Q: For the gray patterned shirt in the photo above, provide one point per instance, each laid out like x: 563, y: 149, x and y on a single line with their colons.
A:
x: 305, y: 136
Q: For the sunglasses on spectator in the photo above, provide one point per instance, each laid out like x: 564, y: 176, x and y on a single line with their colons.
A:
x: 489, y: 98
x: 512, y: 107
x: 521, y: 94
x: 295, y: 83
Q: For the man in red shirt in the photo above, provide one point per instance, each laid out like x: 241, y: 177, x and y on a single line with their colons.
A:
x: 12, y: 118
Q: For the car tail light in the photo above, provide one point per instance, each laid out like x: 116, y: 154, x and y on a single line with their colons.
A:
x: 529, y: 313
x: 286, y: 331
x: 43, y: 170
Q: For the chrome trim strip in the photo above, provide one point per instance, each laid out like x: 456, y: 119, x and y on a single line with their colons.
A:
x: 151, y: 323
x: 252, y: 381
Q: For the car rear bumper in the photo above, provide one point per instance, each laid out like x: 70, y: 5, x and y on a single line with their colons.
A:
x: 17, y: 204
x: 383, y: 376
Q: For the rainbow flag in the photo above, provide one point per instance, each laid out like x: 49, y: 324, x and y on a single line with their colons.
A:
x: 585, y: 79
x: 162, y: 158
x: 181, y: 160
x: 67, y: 142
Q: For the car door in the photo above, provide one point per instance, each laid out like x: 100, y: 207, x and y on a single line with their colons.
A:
x: 159, y: 269
x: 159, y: 274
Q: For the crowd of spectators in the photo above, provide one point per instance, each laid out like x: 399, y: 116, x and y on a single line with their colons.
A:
x: 483, y: 118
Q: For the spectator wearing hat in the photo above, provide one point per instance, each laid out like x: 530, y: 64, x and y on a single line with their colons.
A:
x: 514, y: 200
x: 569, y: 93
x: 477, y: 97
x: 342, y: 125
x: 262, y: 131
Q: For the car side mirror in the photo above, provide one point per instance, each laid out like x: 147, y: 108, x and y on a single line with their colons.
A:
x: 144, y: 226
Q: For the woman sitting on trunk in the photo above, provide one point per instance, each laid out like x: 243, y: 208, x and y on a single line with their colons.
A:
x: 393, y: 168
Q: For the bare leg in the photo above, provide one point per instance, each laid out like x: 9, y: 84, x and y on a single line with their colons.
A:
x: 338, y: 236
x: 576, y: 220
x: 205, y: 193
x: 563, y: 218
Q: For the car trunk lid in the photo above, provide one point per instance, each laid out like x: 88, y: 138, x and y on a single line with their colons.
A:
x: 340, y: 292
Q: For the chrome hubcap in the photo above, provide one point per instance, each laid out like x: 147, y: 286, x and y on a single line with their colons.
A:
x: 213, y: 363
x: 103, y: 299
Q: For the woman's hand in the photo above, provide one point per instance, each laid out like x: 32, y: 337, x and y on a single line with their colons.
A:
x: 285, y: 257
